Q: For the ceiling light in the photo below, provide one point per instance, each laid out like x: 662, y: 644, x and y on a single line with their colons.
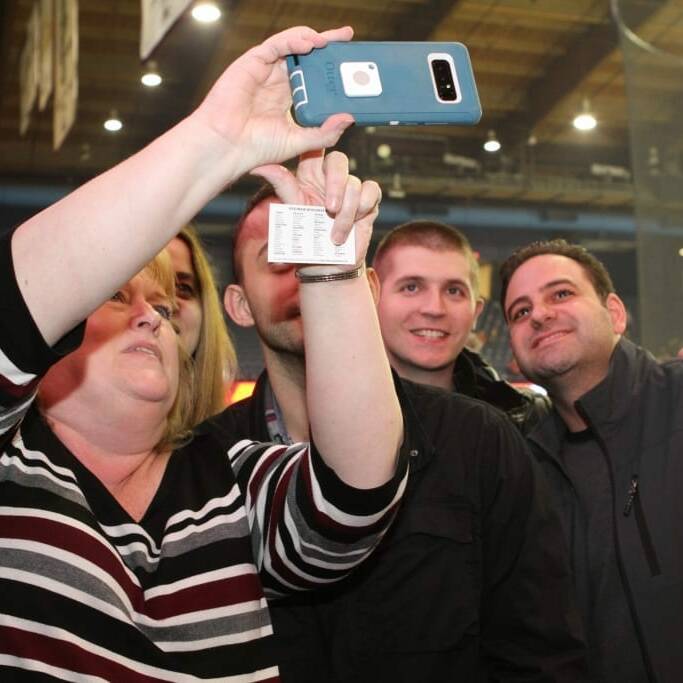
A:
x: 680, y: 251
x: 492, y: 144
x: 151, y: 77
x: 585, y: 120
x: 206, y: 12
x: 151, y: 80
x: 384, y: 151
x: 113, y: 123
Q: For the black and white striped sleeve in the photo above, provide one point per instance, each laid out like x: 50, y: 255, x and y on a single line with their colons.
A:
x: 308, y: 527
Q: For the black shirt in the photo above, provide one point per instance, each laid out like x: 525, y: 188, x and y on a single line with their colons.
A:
x: 614, y: 652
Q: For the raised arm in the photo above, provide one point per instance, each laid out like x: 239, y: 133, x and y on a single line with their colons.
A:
x: 352, y: 406
x: 70, y: 257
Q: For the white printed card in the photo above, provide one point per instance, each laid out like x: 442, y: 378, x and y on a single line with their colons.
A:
x: 301, y: 234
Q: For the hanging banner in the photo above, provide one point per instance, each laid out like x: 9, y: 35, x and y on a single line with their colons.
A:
x: 47, y: 30
x: 157, y: 18
x: 66, y: 68
x: 29, y: 63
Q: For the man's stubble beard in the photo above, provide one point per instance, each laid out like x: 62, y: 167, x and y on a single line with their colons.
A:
x: 281, y: 340
x: 547, y: 373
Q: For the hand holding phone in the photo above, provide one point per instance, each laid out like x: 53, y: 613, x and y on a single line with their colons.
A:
x: 385, y: 83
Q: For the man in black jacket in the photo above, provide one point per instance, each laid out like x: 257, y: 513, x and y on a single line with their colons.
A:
x: 471, y: 583
x: 429, y: 301
x: 612, y: 450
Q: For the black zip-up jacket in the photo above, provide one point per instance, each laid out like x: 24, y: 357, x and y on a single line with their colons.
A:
x: 470, y: 584
x: 473, y: 377
x: 636, y: 413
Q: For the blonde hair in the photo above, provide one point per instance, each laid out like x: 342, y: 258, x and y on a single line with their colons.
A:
x: 178, y: 421
x: 214, y: 360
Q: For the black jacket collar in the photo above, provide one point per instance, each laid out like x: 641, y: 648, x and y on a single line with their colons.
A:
x: 607, y: 404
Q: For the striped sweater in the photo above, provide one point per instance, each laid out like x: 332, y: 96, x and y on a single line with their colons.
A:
x: 88, y: 594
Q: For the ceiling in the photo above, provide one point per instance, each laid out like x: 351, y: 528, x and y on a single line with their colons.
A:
x: 534, y: 60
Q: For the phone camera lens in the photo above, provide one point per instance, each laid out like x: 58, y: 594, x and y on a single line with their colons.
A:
x: 443, y: 77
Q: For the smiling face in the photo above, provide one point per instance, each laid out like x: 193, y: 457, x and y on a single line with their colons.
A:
x: 189, y: 314
x: 427, y: 308
x: 129, y: 351
x: 561, y: 333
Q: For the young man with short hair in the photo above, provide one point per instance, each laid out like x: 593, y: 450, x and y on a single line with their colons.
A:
x: 472, y: 582
x: 612, y: 450
x: 429, y: 302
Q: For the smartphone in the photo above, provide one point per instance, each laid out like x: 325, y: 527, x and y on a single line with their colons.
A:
x: 385, y: 83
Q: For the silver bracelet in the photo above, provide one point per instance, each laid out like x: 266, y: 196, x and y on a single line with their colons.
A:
x: 330, y: 277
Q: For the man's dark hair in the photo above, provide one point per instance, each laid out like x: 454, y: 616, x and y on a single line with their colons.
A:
x: 266, y: 191
x: 594, y: 269
x: 430, y: 235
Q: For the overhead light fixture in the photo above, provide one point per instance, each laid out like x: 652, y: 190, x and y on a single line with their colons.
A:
x: 151, y: 78
x: 492, y: 144
x: 384, y: 151
x: 113, y: 124
x: 206, y: 12
x: 585, y: 120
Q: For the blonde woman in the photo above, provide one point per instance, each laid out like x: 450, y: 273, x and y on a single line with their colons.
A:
x: 123, y: 558
x: 202, y: 327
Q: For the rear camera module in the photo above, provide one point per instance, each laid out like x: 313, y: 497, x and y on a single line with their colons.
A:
x: 443, y: 79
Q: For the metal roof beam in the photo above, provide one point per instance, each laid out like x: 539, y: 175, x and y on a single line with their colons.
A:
x: 566, y: 73
x: 420, y: 22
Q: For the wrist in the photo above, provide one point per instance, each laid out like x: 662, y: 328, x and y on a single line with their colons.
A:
x: 217, y: 158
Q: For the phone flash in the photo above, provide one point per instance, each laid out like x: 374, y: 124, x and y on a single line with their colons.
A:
x: 360, y: 79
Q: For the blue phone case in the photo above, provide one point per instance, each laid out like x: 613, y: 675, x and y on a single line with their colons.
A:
x: 392, y: 85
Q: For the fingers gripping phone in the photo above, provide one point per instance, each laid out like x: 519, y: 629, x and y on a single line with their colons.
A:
x: 385, y: 83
